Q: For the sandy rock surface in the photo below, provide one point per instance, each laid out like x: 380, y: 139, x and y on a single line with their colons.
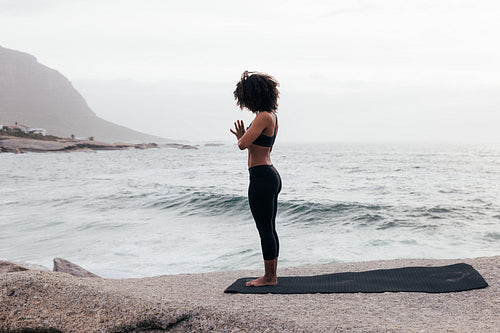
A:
x: 196, y: 303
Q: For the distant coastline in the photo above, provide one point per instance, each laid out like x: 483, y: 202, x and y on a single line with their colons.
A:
x: 32, y: 143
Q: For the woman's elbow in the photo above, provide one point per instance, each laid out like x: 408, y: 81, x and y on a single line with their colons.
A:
x: 242, y: 145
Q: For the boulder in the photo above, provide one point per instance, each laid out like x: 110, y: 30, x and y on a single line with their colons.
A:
x: 12, y: 266
x: 66, y: 266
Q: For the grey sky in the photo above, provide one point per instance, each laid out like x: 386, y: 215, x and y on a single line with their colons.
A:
x: 382, y: 70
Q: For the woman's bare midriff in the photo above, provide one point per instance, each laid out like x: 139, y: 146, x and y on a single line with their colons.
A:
x: 258, y: 155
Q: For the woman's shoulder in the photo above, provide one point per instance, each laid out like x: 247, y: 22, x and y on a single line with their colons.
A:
x: 266, y: 115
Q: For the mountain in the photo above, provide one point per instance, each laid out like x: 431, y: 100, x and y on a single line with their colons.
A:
x: 37, y: 96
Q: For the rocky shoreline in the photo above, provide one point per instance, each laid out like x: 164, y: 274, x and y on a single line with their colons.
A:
x: 11, y: 144
x: 36, y: 300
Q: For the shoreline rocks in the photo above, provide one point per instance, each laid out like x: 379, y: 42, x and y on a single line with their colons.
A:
x: 15, y: 266
x: 60, y: 265
x: 10, y: 144
x: 66, y: 266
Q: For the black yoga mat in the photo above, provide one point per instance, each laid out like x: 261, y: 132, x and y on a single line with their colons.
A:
x: 443, y: 279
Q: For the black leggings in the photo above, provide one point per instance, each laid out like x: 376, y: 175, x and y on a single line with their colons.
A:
x: 265, y: 185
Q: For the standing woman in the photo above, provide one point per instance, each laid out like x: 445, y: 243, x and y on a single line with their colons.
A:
x: 259, y: 93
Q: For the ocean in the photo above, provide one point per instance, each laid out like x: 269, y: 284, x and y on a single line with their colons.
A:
x: 137, y: 213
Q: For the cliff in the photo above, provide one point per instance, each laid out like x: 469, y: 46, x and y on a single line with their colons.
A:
x: 38, y: 96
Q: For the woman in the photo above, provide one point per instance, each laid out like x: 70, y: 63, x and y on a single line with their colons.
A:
x: 259, y: 93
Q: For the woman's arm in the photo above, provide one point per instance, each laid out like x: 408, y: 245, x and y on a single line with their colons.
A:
x: 247, y: 137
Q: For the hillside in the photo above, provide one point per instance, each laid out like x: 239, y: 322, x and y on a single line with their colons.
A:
x: 38, y: 96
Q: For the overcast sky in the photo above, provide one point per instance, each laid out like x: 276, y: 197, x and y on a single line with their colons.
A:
x: 374, y: 70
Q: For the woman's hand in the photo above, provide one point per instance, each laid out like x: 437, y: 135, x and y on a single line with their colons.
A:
x: 239, y: 129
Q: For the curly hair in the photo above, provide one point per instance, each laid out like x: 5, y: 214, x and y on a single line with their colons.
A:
x: 257, y: 92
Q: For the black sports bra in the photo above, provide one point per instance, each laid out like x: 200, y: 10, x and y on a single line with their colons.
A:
x: 264, y: 140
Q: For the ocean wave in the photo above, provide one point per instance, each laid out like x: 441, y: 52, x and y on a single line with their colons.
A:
x: 189, y: 201
x: 202, y: 203
x: 314, y: 213
x: 492, y: 236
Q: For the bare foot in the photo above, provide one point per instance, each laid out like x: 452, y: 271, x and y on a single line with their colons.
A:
x: 262, y: 281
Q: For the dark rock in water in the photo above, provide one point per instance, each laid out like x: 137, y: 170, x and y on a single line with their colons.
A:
x: 179, y: 146
x: 65, y: 266
x: 10, y: 266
